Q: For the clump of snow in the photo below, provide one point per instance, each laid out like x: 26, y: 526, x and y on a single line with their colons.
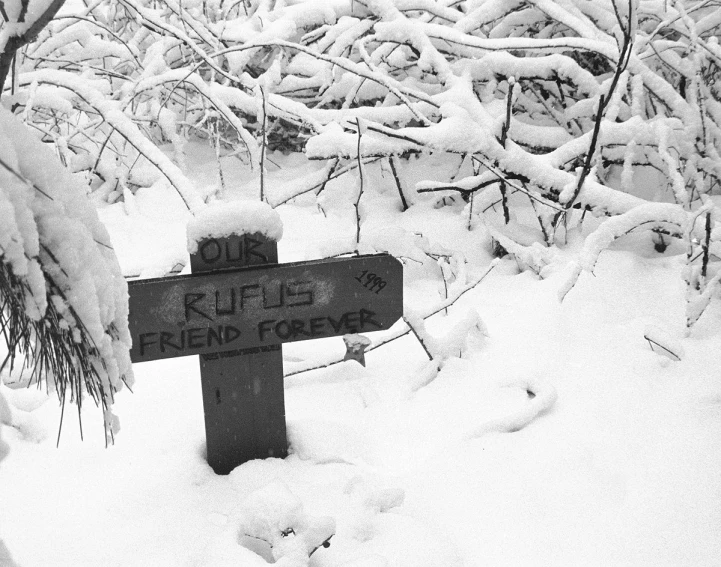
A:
x: 275, y: 515
x: 12, y: 414
x: 396, y: 241
x: 377, y: 500
x: 370, y: 500
x: 455, y: 340
x: 542, y: 396
x: 644, y: 217
x: 521, y: 243
x: 323, y: 441
x: 224, y: 218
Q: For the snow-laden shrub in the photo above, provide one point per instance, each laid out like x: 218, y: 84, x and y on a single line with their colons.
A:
x: 560, y: 107
x: 63, y: 300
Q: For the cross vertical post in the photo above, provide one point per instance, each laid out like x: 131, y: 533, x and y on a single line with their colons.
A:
x: 243, y: 394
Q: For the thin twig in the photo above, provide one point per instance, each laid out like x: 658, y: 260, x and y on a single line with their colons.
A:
x: 504, y: 138
x: 420, y: 339
x: 404, y: 203
x: 651, y: 342
x: 360, y: 187
x: 264, y: 143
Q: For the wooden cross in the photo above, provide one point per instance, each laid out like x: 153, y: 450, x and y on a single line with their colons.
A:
x: 236, y: 310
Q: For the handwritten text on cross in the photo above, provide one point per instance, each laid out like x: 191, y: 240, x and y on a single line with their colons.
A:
x: 265, y: 305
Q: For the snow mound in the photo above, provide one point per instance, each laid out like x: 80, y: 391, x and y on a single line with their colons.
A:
x: 275, y: 515
x: 223, y: 218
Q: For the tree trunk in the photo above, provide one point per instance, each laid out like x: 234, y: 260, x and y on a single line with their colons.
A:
x: 14, y: 43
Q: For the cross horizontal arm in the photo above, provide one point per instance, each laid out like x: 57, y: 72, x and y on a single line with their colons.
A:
x: 227, y: 310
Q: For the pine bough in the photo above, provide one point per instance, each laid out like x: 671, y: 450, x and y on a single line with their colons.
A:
x: 63, y: 300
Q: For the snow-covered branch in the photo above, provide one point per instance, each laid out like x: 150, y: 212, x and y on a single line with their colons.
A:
x: 63, y: 300
x: 557, y: 106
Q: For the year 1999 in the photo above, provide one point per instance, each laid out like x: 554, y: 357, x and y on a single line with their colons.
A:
x: 371, y: 281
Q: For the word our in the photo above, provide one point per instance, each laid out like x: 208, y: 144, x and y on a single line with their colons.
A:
x: 242, y: 250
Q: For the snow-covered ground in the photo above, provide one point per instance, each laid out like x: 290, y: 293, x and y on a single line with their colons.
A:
x: 415, y: 469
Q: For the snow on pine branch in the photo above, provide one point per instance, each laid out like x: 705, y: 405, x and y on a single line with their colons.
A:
x: 64, y: 300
